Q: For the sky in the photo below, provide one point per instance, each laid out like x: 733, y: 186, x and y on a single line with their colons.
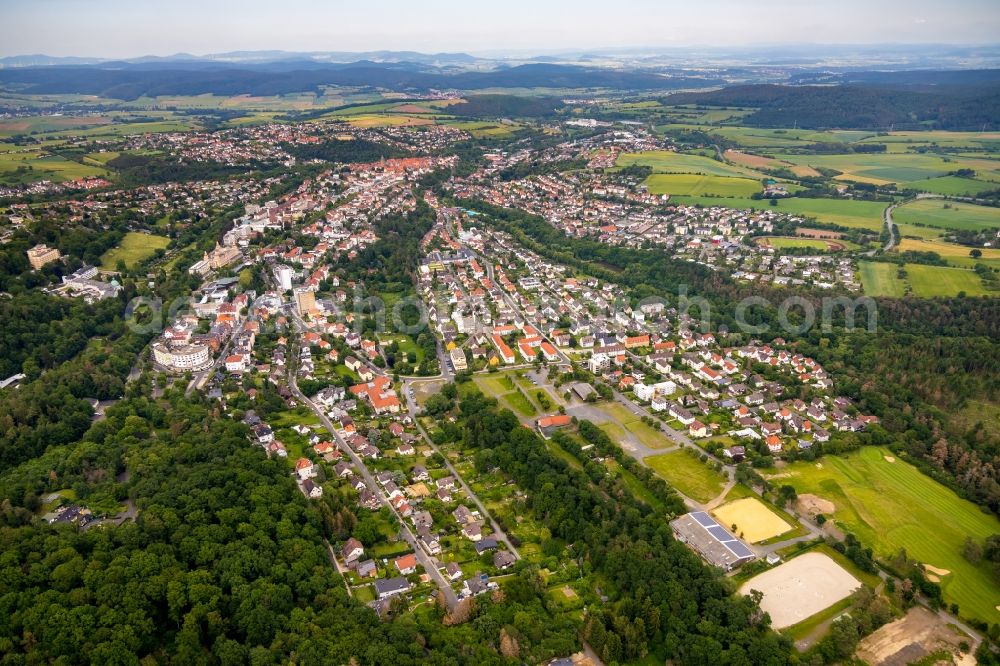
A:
x: 130, y: 28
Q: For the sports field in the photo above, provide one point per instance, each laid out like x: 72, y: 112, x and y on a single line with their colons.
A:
x: 811, y: 243
x: 134, y: 248
x: 892, y: 505
x: 948, y: 215
x: 880, y: 279
x: 698, y: 184
x: 666, y: 161
x: 801, y: 587
x: 688, y: 475
x: 753, y: 520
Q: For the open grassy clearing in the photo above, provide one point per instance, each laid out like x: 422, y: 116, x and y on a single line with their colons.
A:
x: 892, y: 505
x: 666, y: 161
x: 134, y: 248
x: 645, y: 433
x: 930, y: 281
x: 34, y: 165
x: 688, y: 475
x: 845, y: 212
x: 698, y: 184
x: 881, y: 279
x: 947, y: 215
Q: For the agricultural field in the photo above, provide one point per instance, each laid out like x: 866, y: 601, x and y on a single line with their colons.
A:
x: 48, y: 123
x: 754, y: 521
x: 698, y: 185
x: 957, y: 255
x: 890, y: 505
x: 950, y: 185
x: 881, y: 279
x: 885, y: 168
x: 134, y: 248
x: 930, y: 281
x: 844, y: 212
x: 34, y: 165
x: 666, y: 161
x: 754, y: 137
x: 823, y: 245
x: 752, y: 161
x: 947, y: 215
x: 688, y: 475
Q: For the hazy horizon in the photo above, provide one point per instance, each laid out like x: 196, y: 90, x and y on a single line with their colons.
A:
x: 119, y: 29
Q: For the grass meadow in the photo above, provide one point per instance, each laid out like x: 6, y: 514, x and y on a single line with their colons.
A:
x: 892, y: 505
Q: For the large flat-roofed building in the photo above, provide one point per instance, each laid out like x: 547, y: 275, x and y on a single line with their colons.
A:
x: 181, y: 358
x: 458, y: 361
x: 711, y: 540
x: 40, y: 255
x: 305, y: 301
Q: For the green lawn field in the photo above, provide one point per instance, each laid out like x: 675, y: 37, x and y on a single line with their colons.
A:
x: 666, y: 161
x: 930, y: 281
x: 947, y: 215
x: 688, y: 475
x: 880, y: 279
x: 891, y: 505
x: 644, y: 433
x: 33, y: 165
x: 698, y: 184
x: 950, y: 185
x: 134, y: 248
x: 845, y: 212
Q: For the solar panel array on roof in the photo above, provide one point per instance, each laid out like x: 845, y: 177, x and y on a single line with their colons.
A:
x: 738, y: 548
x: 712, y: 540
x: 703, y: 518
x: 719, y: 533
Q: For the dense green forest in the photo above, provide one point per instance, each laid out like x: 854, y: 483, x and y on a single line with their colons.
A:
x: 225, y: 564
x: 663, y: 599
x: 954, y: 107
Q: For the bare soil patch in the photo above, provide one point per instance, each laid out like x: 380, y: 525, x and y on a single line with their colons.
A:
x: 811, y: 505
x: 752, y: 161
x: 916, y: 635
x: 817, y: 233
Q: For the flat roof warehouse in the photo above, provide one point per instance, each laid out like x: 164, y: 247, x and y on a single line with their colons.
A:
x: 711, y: 540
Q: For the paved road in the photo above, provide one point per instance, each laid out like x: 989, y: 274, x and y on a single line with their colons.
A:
x: 428, y: 563
x: 497, y: 531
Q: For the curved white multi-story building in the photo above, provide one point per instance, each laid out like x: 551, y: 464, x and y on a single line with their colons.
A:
x: 182, y: 358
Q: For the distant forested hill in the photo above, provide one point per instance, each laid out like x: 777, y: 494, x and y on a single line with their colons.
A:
x: 952, y: 107
x: 129, y: 82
